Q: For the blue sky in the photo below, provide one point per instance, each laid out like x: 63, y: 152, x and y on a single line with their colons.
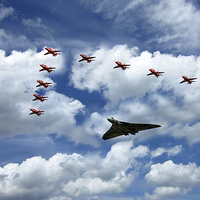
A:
x: 60, y: 155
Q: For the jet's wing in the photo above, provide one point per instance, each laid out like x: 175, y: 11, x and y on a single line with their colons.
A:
x: 183, y: 81
x: 111, y: 133
x: 133, y: 127
x: 124, y: 128
x: 91, y: 57
x: 81, y: 60
x: 150, y: 74
x: 47, y: 53
x: 192, y: 78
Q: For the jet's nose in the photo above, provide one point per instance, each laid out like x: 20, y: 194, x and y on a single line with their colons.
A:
x: 111, y: 120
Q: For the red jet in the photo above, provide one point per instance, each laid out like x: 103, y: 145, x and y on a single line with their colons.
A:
x: 41, y: 83
x: 123, y: 66
x: 38, y: 97
x: 154, y: 72
x: 44, y: 67
x: 84, y: 57
x: 186, y: 79
x: 34, y: 111
x: 51, y: 51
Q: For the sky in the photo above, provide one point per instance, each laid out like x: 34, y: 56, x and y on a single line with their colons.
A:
x: 60, y: 155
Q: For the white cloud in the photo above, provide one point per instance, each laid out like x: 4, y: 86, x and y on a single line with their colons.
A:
x: 5, y: 12
x: 11, y: 41
x: 40, y: 35
x: 96, y: 124
x: 168, y: 178
x: 36, y: 26
x: 60, y: 198
x: 94, y: 198
x: 165, y: 193
x: 170, y: 152
x: 180, y: 18
x: 190, y: 132
x: 113, y: 8
x: 33, y: 23
x: 67, y: 176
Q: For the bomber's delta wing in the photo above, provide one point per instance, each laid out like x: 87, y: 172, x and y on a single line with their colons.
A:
x: 111, y: 133
x: 138, y: 127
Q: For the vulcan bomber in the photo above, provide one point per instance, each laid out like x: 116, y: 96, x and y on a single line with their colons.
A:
x: 124, y: 128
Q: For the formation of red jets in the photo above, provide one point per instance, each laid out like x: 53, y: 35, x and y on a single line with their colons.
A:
x: 42, y: 83
x: 88, y: 59
x: 125, y: 66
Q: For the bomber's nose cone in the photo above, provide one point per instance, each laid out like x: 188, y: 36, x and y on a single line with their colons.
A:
x: 110, y: 120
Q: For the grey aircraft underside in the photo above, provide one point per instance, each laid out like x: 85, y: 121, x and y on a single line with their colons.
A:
x: 124, y: 128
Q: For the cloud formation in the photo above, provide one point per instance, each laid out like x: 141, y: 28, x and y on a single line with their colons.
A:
x: 170, y: 152
x: 5, y: 12
x: 171, y: 26
x: 72, y: 175
x: 168, y: 178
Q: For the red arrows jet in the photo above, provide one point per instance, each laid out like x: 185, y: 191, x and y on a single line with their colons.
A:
x: 51, y: 51
x: 44, y: 67
x: 154, y: 72
x: 38, y: 97
x: 186, y: 79
x: 41, y: 83
x: 84, y: 57
x: 34, y: 111
x: 123, y: 66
